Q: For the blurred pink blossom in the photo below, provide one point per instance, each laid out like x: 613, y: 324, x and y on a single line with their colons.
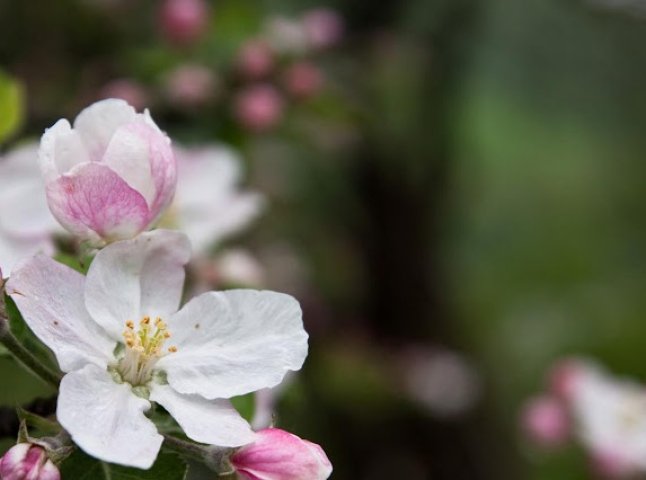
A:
x: 183, y: 22
x: 255, y: 59
x: 563, y: 376
x: 259, y: 107
x: 191, y: 85
x: 303, y: 79
x: 545, y: 420
x: 125, y: 89
x: 324, y: 27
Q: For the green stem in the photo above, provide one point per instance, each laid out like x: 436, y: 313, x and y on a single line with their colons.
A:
x: 213, y: 457
x: 24, y: 356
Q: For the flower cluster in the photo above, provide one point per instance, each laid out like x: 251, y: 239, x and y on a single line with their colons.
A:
x: 604, y: 414
x: 122, y: 337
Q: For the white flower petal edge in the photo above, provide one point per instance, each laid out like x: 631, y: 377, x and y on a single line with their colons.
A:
x: 50, y: 297
x: 106, y: 419
x: 213, y: 422
x: 235, y: 342
x: 133, y: 278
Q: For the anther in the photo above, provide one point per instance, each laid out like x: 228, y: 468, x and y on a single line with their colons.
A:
x: 172, y: 349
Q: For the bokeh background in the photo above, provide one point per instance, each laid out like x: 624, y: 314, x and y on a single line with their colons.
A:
x: 457, y: 200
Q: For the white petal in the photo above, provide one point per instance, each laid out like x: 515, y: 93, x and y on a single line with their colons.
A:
x: 234, y: 342
x: 133, y: 278
x: 50, y: 297
x: 208, y: 204
x: 61, y: 149
x: 106, y: 419
x: 98, y: 122
x: 219, y: 219
x: 128, y: 154
x: 214, y: 422
x: 14, y: 249
x: 23, y: 204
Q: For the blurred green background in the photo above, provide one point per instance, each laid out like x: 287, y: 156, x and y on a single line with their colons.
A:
x: 471, y: 177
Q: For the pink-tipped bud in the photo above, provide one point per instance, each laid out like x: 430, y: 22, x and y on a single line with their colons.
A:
x: 128, y: 90
x: 280, y: 455
x: 182, y: 22
x: 255, y: 59
x: 323, y: 27
x: 111, y: 175
x: 259, y: 107
x: 545, y: 421
x: 27, y: 462
x: 303, y: 79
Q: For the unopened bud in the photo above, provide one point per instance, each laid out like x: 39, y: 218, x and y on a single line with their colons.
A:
x: 26, y: 461
x: 280, y: 455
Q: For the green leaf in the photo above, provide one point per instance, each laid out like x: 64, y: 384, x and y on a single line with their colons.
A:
x: 246, y: 405
x: 26, y: 337
x: 11, y: 106
x: 80, y: 466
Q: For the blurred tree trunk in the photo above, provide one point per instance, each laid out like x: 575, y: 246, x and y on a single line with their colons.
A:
x: 403, y: 175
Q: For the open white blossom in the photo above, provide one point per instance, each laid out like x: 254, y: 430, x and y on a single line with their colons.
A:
x: 123, y: 344
x: 26, y: 224
x: 610, y: 414
x: 208, y: 204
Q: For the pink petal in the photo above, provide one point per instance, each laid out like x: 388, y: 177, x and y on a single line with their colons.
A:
x: 92, y: 201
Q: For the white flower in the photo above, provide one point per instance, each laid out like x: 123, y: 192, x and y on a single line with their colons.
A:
x: 26, y: 224
x: 111, y: 333
x: 611, y: 418
x: 208, y: 205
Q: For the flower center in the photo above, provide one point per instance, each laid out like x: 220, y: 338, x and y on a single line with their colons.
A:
x: 144, y: 348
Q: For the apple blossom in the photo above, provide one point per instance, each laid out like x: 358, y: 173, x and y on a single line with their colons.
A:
x: 208, y: 205
x: 191, y: 86
x: 111, y: 176
x: 286, y: 35
x: 26, y: 461
x: 255, y: 59
x: 323, y: 27
x: 303, y: 79
x: 120, y: 339
x: 280, y: 455
x: 183, y: 21
x: 259, y: 107
x: 545, y: 420
x: 610, y: 417
x: 26, y: 224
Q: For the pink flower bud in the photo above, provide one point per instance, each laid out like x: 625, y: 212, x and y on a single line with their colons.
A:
x: 127, y: 90
x: 280, y: 455
x: 259, y: 107
x: 111, y: 176
x: 303, y: 79
x: 183, y: 21
x: 545, y: 421
x: 191, y: 86
x: 255, y: 59
x: 27, y: 462
x: 323, y: 27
